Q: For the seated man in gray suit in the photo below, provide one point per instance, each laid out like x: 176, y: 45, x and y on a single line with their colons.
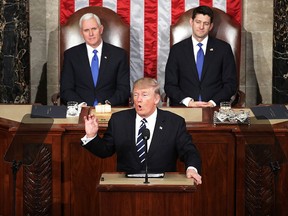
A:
x: 169, y: 139
x: 111, y: 83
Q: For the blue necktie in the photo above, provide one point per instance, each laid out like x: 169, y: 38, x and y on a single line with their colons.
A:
x: 140, y: 143
x: 95, y: 70
x: 94, y: 67
x: 199, y: 62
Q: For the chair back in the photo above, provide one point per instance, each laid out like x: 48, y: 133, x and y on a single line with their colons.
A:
x: 116, y: 31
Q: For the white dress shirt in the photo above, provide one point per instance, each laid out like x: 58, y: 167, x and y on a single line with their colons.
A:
x: 150, y: 124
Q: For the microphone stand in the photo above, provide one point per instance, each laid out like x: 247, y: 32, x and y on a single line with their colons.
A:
x: 146, y: 163
x: 146, y: 136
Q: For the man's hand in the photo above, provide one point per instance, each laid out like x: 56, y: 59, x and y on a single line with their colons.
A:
x: 91, y: 125
x: 191, y: 173
x: 200, y: 104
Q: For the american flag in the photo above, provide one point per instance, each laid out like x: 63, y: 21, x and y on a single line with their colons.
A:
x: 150, y: 22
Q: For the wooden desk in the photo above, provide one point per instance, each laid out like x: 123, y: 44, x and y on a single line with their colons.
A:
x: 227, y: 151
x: 166, y: 196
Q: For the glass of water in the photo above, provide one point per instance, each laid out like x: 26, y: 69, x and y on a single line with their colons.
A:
x: 225, y: 106
x: 72, y: 108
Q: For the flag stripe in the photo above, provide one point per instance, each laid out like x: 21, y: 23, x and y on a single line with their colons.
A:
x: 206, y: 3
x: 112, y: 4
x: 123, y: 9
x: 191, y: 4
x: 221, y: 4
x: 150, y: 22
x: 177, y: 8
x: 164, y: 8
x: 136, y: 40
x: 150, y: 38
x: 234, y: 8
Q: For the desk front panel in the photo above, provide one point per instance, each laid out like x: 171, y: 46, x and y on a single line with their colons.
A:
x: 75, y: 172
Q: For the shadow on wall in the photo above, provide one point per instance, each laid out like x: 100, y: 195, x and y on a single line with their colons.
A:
x: 253, y: 95
x: 41, y: 94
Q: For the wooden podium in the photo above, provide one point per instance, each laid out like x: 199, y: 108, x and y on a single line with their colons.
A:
x: 171, y: 195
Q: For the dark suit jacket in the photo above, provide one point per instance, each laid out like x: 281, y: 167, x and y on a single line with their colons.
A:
x: 219, y: 76
x: 170, y: 141
x: 113, y: 80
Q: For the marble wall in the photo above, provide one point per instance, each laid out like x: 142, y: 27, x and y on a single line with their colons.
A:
x: 256, y: 52
x: 280, y: 52
x: 14, y: 52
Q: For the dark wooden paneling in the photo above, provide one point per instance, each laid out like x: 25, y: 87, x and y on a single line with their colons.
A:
x: 230, y: 160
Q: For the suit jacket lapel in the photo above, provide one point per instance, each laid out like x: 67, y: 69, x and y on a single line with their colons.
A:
x: 132, y: 133
x: 191, y: 61
x: 159, y: 130
x: 104, y: 60
x: 83, y: 57
x: 208, y: 56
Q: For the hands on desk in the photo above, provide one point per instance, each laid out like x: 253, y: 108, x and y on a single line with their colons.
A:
x: 191, y: 173
x: 91, y: 125
x: 200, y: 104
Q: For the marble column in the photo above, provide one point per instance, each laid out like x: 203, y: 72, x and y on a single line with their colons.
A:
x: 280, y: 53
x: 14, y: 52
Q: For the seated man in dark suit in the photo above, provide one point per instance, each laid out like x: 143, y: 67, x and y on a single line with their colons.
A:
x: 200, y: 70
x: 111, y: 83
x: 169, y: 139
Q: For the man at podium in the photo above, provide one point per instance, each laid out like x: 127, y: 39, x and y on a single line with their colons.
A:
x: 167, y: 141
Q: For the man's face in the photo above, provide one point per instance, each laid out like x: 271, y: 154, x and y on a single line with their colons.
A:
x: 145, y: 101
x: 91, y: 32
x: 201, y: 25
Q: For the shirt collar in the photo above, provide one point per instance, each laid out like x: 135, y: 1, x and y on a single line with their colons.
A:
x: 99, y: 48
x: 204, y: 41
x: 151, y: 118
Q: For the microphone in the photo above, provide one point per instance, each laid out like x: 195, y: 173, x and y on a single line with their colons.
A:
x: 146, y: 136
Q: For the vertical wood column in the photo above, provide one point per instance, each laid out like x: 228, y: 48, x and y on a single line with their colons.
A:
x: 280, y: 52
x: 14, y: 52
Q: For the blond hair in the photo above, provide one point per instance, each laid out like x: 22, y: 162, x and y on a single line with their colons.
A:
x: 147, y: 82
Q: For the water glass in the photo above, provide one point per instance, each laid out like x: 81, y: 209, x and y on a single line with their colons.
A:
x: 72, y: 108
x: 225, y: 106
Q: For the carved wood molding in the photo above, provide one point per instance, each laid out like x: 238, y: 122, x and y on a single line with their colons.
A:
x: 37, y: 184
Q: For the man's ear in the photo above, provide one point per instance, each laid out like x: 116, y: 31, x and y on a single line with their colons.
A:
x: 211, y: 26
x: 157, y: 99
x: 191, y: 21
x: 101, y: 29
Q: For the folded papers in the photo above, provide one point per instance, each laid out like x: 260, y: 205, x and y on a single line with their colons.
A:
x: 142, y: 175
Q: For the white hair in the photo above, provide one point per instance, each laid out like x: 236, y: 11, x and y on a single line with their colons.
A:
x: 88, y: 16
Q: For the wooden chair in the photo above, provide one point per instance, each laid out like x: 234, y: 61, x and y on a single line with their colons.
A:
x: 225, y: 28
x: 116, y: 32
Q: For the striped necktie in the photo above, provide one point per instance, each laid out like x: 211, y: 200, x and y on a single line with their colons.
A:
x: 140, y: 143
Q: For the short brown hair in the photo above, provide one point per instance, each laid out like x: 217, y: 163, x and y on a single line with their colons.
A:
x: 205, y: 10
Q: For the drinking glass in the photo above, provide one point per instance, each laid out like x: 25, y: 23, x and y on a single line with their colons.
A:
x: 225, y: 106
x: 72, y: 108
